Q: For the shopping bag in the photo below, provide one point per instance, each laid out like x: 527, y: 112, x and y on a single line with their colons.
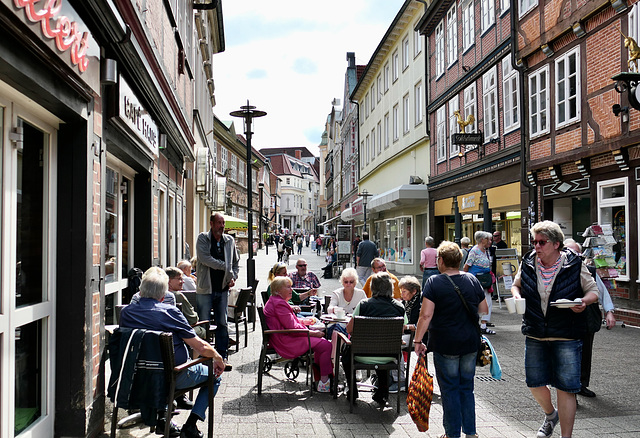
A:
x: 420, y: 395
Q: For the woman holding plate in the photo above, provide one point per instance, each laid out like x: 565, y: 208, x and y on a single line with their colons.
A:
x: 549, y: 273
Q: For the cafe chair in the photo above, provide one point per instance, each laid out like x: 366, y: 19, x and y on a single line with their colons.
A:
x: 372, y: 337
x: 265, y: 297
x: 407, y: 348
x: 292, y: 366
x: 237, y: 315
x: 150, y: 384
x: 251, y: 306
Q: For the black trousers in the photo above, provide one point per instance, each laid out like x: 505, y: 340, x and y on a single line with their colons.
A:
x: 587, y: 353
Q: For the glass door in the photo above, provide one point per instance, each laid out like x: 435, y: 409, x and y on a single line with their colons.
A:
x: 28, y: 247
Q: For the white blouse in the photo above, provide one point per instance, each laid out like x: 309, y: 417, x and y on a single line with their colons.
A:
x: 337, y: 299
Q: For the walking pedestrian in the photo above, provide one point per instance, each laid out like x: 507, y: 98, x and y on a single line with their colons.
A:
x: 367, y: 251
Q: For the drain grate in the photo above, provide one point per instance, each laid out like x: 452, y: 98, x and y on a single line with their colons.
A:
x: 488, y: 379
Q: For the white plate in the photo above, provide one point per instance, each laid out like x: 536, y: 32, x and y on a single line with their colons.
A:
x: 335, y: 318
x: 565, y: 304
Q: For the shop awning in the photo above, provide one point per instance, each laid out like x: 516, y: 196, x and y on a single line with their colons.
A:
x: 443, y: 207
x: 330, y: 220
x: 347, y: 214
x: 407, y: 194
x: 504, y: 196
x: 234, y: 223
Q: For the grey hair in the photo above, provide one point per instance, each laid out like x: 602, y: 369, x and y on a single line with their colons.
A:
x: 550, y: 230
x: 410, y: 283
x: 349, y: 273
x: 429, y: 241
x: 183, y: 263
x: 571, y: 244
x: 465, y: 241
x: 378, y: 260
x: 381, y: 285
x: 481, y: 235
x: 155, y: 283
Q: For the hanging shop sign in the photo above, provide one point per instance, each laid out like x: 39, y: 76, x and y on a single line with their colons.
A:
x: 59, y: 25
x: 476, y: 138
x: 136, y: 118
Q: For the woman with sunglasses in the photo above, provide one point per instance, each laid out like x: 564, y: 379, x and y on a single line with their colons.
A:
x: 348, y: 296
x: 479, y: 264
x: 553, y: 335
x: 280, y: 270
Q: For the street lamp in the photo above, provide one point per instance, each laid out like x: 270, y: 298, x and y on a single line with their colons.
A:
x: 365, y: 195
x: 248, y: 112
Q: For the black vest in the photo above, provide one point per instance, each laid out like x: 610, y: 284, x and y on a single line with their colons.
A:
x: 381, y: 307
x: 558, y: 323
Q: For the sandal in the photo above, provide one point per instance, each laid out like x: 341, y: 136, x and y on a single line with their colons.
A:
x: 486, y: 331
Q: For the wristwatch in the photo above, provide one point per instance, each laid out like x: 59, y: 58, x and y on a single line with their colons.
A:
x: 612, y: 311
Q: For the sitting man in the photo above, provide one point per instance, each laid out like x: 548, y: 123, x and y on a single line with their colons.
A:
x: 304, y: 280
x: 152, y: 314
x: 379, y: 265
x: 176, y: 285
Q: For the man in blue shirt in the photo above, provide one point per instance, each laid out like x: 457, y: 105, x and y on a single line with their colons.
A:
x: 365, y: 254
x: 152, y: 314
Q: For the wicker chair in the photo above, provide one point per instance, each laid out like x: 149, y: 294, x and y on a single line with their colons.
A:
x: 374, y: 337
x: 291, y: 368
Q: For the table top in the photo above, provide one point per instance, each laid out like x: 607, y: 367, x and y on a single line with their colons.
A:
x: 330, y: 318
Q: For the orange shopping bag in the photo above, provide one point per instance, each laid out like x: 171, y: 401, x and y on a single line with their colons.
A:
x: 420, y: 395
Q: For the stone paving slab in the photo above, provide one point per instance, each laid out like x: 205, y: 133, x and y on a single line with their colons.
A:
x: 504, y: 409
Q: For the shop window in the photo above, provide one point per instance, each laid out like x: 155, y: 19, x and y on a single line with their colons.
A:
x: 613, y: 214
x: 404, y: 254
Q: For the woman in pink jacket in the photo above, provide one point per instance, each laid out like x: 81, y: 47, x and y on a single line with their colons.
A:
x: 279, y: 316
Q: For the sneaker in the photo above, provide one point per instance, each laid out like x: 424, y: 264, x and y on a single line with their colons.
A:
x: 546, y: 430
x: 324, y: 386
x: 393, y: 389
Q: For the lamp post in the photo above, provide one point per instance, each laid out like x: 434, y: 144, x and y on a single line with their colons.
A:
x: 365, y: 196
x: 247, y: 113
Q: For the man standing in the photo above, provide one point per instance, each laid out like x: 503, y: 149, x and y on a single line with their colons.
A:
x: 217, y: 271
x: 497, y: 240
x: 379, y: 265
x: 152, y: 314
x: 303, y: 279
x: 365, y: 254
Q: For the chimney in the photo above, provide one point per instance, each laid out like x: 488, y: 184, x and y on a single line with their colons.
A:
x: 298, y: 154
x: 351, y: 59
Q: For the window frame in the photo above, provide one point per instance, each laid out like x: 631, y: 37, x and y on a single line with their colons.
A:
x: 395, y: 60
x: 567, y: 78
x: 386, y: 131
x: 522, y: 10
x: 490, y: 92
x: 405, y: 53
x: 468, y: 104
x: 441, y: 134
x: 396, y: 123
x: 439, y: 49
x: 417, y: 103
x: 468, y: 26
x: 539, y: 130
x: 510, y: 88
x: 453, y: 105
x: 417, y: 43
x: 452, y: 35
x: 487, y: 14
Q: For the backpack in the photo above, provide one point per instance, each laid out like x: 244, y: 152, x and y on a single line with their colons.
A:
x: 299, y: 241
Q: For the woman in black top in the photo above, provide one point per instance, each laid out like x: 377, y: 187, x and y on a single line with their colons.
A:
x: 453, y: 337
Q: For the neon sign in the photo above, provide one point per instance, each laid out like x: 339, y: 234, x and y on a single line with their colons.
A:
x: 64, y: 31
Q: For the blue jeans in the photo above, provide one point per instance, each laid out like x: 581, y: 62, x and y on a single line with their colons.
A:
x: 193, y: 376
x: 555, y: 363
x: 428, y: 272
x: 455, y: 376
x: 216, y: 302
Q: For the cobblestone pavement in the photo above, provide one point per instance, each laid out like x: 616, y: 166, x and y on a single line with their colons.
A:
x: 504, y: 408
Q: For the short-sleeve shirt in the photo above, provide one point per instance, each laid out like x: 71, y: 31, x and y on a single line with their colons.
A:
x: 452, y: 331
x: 310, y: 280
x: 367, y: 251
x: 478, y: 258
x: 151, y: 314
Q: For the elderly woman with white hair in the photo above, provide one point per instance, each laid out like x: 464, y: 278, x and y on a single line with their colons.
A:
x: 348, y: 296
x: 479, y: 264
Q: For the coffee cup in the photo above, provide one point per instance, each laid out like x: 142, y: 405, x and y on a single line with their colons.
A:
x: 521, y: 305
x: 508, y: 269
x: 339, y: 312
x: 511, y: 304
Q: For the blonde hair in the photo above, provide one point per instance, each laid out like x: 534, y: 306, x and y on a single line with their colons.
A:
x: 278, y: 283
x: 450, y: 254
x: 274, y: 271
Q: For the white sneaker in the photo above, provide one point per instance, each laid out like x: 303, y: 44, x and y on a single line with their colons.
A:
x: 546, y: 430
x: 324, y: 386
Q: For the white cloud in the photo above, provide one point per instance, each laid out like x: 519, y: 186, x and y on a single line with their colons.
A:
x: 289, y: 59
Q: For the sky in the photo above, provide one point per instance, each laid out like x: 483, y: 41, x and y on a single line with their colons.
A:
x: 288, y: 58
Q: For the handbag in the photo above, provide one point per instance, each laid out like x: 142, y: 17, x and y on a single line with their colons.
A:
x: 485, y: 279
x: 484, y: 352
x: 420, y: 395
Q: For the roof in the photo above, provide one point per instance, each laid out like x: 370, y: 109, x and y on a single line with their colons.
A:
x: 291, y: 151
x: 283, y: 164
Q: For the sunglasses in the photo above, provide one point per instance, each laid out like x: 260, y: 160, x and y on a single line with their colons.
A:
x: 539, y: 242
x: 348, y: 281
x: 301, y: 266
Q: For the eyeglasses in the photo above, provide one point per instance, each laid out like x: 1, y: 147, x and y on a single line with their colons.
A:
x: 348, y: 281
x: 539, y: 242
x: 301, y: 266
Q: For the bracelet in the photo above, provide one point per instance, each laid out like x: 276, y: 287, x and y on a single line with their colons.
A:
x: 417, y: 342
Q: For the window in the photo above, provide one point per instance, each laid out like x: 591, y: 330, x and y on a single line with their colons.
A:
x: 452, y: 35
x: 468, y: 26
x: 613, y: 217
x: 373, y: 144
x: 396, y: 123
x: 379, y: 138
x: 441, y: 134
x: 568, y: 88
x: 395, y: 60
x: 439, y: 49
x: 417, y: 98
x: 223, y: 158
x: 367, y: 143
x: 490, y: 103
x: 233, y: 168
x: 373, y: 96
x: 386, y: 77
x: 386, y: 130
x: 366, y: 105
x: 405, y: 114
x: 510, y: 95
x: 417, y: 43
x: 470, y: 106
x: 526, y: 6
x: 504, y: 6
x: 288, y: 181
x: 405, y: 53
x: 241, y: 167
x: 488, y: 14
x: 634, y: 22
x: 453, y: 126
x: 379, y: 95
x: 538, y: 101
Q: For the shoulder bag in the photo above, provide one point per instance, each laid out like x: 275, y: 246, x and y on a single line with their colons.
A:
x: 484, y: 352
